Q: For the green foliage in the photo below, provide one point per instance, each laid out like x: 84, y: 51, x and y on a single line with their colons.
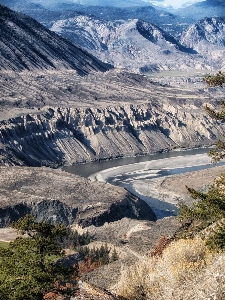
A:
x: 27, y: 270
x: 114, y: 255
x: 96, y: 254
x: 4, y: 244
x: 213, y: 81
x: 217, y: 240
x: 219, y: 152
x: 209, y: 207
x: 99, y: 255
x: 73, y: 239
x: 218, y: 115
x: 217, y: 80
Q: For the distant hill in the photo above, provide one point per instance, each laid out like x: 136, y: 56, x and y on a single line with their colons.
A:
x: 205, y: 34
x: 46, y: 12
x: 207, y: 37
x: 208, y: 8
x: 133, y: 44
x: 25, y: 44
x: 115, y: 3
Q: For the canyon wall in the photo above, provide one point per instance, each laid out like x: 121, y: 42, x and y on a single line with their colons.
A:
x: 59, y: 197
x: 70, y: 135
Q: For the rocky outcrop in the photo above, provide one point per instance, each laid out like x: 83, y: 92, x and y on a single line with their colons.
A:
x: 204, y: 34
x: 131, y: 44
x: 136, y: 39
x: 207, y: 37
x: 60, y: 197
x: 66, y: 135
x: 158, y: 36
x: 25, y: 44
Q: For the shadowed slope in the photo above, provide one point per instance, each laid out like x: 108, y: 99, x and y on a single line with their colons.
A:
x: 26, y: 45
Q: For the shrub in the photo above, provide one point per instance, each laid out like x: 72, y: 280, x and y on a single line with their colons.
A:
x: 177, y: 274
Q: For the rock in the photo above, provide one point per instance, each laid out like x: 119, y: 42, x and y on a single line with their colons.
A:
x: 34, y: 47
x: 132, y: 44
x: 60, y: 197
x: 206, y: 36
x: 67, y: 135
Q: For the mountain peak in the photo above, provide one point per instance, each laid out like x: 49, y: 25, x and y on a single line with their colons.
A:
x: 208, y: 31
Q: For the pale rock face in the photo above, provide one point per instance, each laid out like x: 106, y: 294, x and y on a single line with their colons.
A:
x: 66, y: 135
x: 207, y: 34
x: 140, y: 45
x: 207, y: 37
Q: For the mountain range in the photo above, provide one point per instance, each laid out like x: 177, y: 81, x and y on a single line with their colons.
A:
x: 200, y: 10
x: 140, y: 45
x: 138, y: 38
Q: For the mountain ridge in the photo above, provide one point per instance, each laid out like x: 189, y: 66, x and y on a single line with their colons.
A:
x: 200, y: 10
x: 27, y: 47
x: 134, y: 44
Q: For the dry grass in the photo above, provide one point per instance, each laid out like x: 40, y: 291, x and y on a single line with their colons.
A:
x: 186, y: 270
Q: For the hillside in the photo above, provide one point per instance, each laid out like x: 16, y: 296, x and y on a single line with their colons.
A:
x: 201, y: 10
x: 49, y: 12
x: 30, y: 47
x: 133, y: 44
x: 205, y: 34
x: 207, y: 37
x: 50, y: 116
x: 123, y: 36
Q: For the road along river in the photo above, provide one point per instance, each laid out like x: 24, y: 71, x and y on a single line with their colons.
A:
x: 142, y: 175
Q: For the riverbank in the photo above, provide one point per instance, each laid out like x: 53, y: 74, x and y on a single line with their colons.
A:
x: 161, y: 183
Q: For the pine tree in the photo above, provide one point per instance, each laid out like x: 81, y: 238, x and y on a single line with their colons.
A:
x: 217, y: 80
x: 114, y: 255
x: 209, y: 207
x: 28, y: 268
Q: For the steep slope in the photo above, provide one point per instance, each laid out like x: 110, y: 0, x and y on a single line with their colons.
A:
x: 66, y: 135
x: 206, y: 33
x: 158, y: 36
x: 27, y: 45
x: 207, y: 37
x: 19, y: 5
x: 47, y: 13
x: 133, y: 44
x: 57, y: 117
x: 60, y: 197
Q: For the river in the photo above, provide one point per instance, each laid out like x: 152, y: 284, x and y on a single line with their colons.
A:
x: 141, y: 175
x: 88, y: 169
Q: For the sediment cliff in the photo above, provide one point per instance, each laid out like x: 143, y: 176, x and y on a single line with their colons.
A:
x: 75, y: 135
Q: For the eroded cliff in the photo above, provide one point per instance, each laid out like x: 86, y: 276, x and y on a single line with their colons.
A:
x: 60, y: 197
x: 76, y: 135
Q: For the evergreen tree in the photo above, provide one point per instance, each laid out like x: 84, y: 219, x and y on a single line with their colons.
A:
x: 27, y: 267
x: 114, y: 255
x: 217, y: 80
x: 210, y: 207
